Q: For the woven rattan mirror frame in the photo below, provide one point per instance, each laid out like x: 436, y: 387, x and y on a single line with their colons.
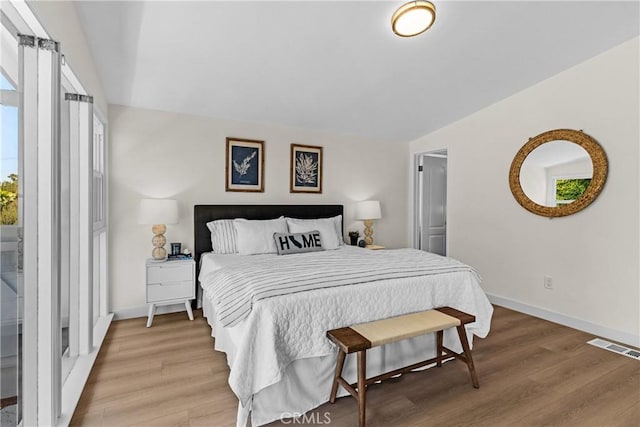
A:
x: 600, y: 166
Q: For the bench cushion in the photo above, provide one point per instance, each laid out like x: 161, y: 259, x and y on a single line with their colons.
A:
x: 393, y: 329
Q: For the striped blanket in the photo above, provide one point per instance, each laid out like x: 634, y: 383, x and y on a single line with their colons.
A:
x: 236, y: 288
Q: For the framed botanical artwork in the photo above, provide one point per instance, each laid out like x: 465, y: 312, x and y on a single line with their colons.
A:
x: 245, y: 165
x: 306, y: 169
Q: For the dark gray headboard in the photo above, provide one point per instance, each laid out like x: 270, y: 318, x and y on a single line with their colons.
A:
x: 205, y: 213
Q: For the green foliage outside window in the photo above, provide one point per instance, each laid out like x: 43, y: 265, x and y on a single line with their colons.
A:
x: 9, y: 200
x: 571, y: 189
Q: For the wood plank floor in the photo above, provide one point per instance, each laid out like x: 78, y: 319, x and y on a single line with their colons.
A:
x: 532, y: 373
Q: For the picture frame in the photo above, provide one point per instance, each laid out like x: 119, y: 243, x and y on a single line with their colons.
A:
x: 306, y: 169
x: 244, y: 165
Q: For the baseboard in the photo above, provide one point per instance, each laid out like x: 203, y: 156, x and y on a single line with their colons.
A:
x: 142, y: 311
x: 572, y: 322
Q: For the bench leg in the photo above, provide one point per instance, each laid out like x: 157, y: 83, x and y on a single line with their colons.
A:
x: 439, y: 348
x: 339, y: 365
x: 362, y: 386
x: 467, y: 354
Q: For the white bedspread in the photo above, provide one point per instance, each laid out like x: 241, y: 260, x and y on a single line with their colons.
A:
x: 234, y: 290
x: 280, y: 330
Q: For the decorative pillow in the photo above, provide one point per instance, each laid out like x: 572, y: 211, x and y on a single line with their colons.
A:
x: 329, y: 228
x: 224, y: 238
x: 256, y: 236
x: 294, y: 243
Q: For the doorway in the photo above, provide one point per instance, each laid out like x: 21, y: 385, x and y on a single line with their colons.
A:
x: 430, y: 202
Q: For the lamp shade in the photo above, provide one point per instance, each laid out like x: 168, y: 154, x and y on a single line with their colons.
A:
x: 369, y: 209
x: 158, y: 211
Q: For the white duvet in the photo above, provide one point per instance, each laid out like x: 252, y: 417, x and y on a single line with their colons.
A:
x: 291, y: 327
x: 234, y: 290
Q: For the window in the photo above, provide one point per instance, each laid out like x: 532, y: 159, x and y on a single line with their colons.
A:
x: 68, y: 280
x: 47, y: 178
x: 10, y: 284
x: 568, y: 190
x: 9, y: 161
x: 100, y: 307
x: 99, y: 182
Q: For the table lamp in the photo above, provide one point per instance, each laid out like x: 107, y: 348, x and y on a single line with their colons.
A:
x: 158, y: 212
x: 368, y: 211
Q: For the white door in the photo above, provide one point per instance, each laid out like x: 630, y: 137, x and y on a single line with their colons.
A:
x: 433, y: 203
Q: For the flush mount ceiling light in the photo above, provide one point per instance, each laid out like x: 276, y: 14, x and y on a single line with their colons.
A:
x: 413, y: 18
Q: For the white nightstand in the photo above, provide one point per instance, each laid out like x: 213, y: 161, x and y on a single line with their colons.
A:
x: 170, y: 282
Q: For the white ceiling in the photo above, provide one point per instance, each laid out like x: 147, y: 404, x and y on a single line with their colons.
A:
x: 335, y: 66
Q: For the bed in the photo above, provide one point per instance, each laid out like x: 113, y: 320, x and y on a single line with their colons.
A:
x: 281, y: 364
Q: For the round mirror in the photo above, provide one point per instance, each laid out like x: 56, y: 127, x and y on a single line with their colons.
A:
x: 558, y: 173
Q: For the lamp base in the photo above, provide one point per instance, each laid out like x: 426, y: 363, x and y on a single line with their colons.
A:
x: 368, y: 231
x: 158, y: 241
x: 159, y: 254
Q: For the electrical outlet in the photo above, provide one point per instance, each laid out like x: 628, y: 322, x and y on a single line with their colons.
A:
x: 548, y: 282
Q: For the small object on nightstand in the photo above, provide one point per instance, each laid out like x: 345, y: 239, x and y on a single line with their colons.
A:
x: 362, y: 243
x: 170, y: 283
x: 176, y: 248
x: 353, y: 236
x: 374, y: 247
x: 178, y: 257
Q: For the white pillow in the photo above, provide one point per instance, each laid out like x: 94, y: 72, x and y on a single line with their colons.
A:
x: 338, y: 222
x: 256, y: 236
x: 328, y: 228
x: 224, y: 238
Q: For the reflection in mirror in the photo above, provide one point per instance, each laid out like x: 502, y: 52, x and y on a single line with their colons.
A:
x: 556, y: 173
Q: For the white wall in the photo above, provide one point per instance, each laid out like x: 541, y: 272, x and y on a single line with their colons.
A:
x: 63, y: 25
x: 159, y: 154
x: 593, y: 255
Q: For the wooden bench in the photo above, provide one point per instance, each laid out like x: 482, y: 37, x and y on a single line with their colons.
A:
x: 359, y: 338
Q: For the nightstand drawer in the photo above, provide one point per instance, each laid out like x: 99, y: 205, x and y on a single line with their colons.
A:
x: 170, y: 291
x: 168, y: 273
